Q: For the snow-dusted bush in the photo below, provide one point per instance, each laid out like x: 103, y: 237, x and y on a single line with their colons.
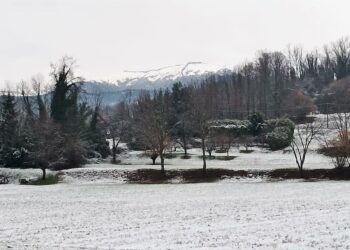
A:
x: 278, y: 133
x: 281, y: 135
x: 234, y: 127
x: 270, y: 125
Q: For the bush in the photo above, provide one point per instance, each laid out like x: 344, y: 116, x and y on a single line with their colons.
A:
x: 13, y: 157
x: 274, y: 123
x: 233, y: 127
x: 279, y: 133
x: 4, y: 179
x: 256, y: 124
x: 279, y: 138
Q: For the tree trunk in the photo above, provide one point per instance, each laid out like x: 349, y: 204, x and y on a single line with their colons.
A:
x: 301, y: 172
x: 154, y: 157
x: 204, y: 159
x: 162, y: 164
x: 114, y: 150
x: 44, y: 173
x: 184, y: 138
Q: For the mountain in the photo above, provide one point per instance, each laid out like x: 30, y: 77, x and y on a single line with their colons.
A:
x: 133, y: 82
x: 166, y: 76
x: 109, y: 93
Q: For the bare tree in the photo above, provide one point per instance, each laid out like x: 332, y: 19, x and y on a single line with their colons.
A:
x: 338, y: 148
x: 200, y: 99
x: 303, y: 136
x: 247, y: 142
x: 42, y: 102
x: 47, y: 146
x: 341, y: 50
x: 152, y: 123
x: 117, y: 125
x: 264, y: 77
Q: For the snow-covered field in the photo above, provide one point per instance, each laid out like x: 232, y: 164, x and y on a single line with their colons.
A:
x: 226, y: 215
x: 94, y: 208
x: 259, y: 159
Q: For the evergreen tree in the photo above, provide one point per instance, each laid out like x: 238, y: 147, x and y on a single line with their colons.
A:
x: 64, y: 103
x: 178, y: 122
x: 11, y: 152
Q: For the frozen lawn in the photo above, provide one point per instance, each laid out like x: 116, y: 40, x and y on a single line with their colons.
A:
x: 226, y: 215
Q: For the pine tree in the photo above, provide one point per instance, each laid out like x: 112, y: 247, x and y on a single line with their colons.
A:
x: 11, y: 152
x: 178, y: 123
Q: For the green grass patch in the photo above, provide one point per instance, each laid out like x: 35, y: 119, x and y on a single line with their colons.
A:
x: 207, y: 157
x: 49, y: 180
x: 116, y: 162
x: 218, y: 157
x: 185, y: 157
x: 225, y: 158
x: 220, y: 151
x: 246, y: 151
x: 170, y: 156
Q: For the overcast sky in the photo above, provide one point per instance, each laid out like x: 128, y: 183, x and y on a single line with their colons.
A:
x: 109, y: 36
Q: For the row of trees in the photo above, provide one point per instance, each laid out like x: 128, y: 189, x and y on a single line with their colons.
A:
x: 162, y: 120
x: 275, y: 83
x: 157, y: 120
x: 54, y: 130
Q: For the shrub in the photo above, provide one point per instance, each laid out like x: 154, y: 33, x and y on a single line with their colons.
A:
x: 13, y: 157
x: 256, y: 124
x: 279, y: 138
x: 233, y: 127
x: 284, y: 122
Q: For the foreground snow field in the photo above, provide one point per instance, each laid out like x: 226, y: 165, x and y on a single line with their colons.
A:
x: 94, y: 208
x: 226, y: 215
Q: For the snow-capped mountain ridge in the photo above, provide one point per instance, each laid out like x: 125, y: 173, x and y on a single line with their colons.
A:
x: 130, y: 83
x: 164, y: 76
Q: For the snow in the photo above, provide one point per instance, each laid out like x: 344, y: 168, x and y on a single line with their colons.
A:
x: 259, y: 159
x: 225, y: 215
x: 95, y: 208
x: 166, y: 76
x: 16, y: 174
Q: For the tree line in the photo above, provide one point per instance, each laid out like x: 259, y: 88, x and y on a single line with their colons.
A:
x: 53, y: 130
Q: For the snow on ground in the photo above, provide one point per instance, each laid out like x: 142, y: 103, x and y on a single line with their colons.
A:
x: 93, y: 208
x: 15, y: 175
x: 225, y: 215
x: 259, y: 159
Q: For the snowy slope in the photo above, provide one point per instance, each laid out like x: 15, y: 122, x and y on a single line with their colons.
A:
x: 164, y: 76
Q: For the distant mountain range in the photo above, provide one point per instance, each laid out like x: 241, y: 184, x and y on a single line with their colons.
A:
x: 133, y: 82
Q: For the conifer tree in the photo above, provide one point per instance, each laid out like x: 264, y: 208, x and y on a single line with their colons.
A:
x: 11, y: 152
